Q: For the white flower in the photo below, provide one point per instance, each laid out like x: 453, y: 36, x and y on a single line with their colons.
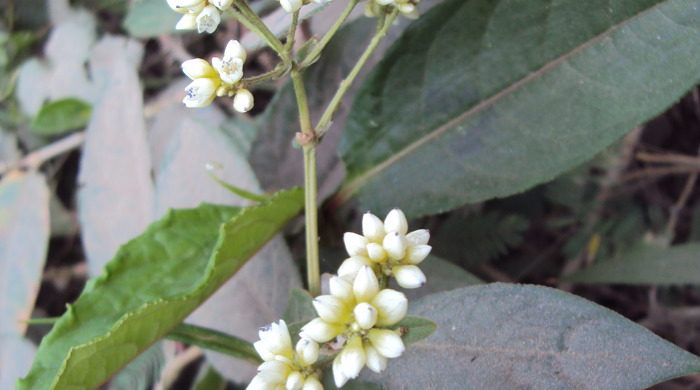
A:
x: 198, y: 68
x: 187, y: 22
x: 187, y: 6
x: 243, y: 101
x: 200, y: 93
x: 291, y: 5
x: 230, y: 68
x: 208, y: 19
x: 409, y: 276
x: 222, y: 4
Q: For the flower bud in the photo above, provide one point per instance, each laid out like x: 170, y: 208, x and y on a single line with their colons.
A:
x: 264, y: 353
x: 351, y: 266
x: 418, y: 237
x: 396, y: 222
x: 331, y: 309
x: 409, y: 276
x: 321, y: 331
x: 208, y: 20
x: 355, y: 244
x: 386, y: 342
x: 395, y: 245
x: 197, y: 68
x: 243, y: 101
x: 417, y: 253
x: 365, y: 315
x: 277, y: 339
x: 187, y: 6
x: 187, y: 22
x: 376, y: 252
x: 295, y: 381
x: 312, y: 383
x: 341, y: 289
x: 307, y: 351
x: 222, y: 4
x: 391, y: 306
x: 366, y: 285
x: 338, y: 376
x: 274, y: 371
x: 372, y: 227
x: 234, y: 49
x: 353, y: 357
x: 409, y: 10
x: 375, y: 361
x: 258, y: 383
x: 291, y: 5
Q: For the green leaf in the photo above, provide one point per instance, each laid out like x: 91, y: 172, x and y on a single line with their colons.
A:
x: 216, y: 341
x: 485, y: 98
x: 153, y: 283
x: 209, y: 379
x: 415, y: 328
x: 441, y: 275
x: 150, y: 19
x: 299, y: 307
x: 61, y: 116
x: 503, y: 336
x: 677, y: 265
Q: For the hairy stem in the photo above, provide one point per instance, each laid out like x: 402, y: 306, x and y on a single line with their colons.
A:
x: 252, y: 21
x: 326, y: 38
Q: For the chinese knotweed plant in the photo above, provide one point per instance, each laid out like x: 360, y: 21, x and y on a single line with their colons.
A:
x: 354, y: 318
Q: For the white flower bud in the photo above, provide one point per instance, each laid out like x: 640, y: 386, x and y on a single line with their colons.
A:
x: 295, y: 381
x: 386, y: 342
x: 373, y: 227
x: 187, y: 22
x: 416, y: 254
x: 291, y: 5
x: 307, y: 351
x: 200, y: 93
x: 243, y: 101
x: 274, y: 371
x: 258, y: 383
x: 409, y: 10
x: 351, y: 266
x: 342, y: 289
x: 338, y: 376
x: 355, y: 244
x: 391, y: 306
x: 408, y: 276
x: 395, y: 245
x: 234, y: 49
x: 353, y: 357
x: 366, y: 285
x: 321, y: 331
x: 264, y: 353
x: 396, y: 222
x: 208, y: 20
x: 331, y: 309
x: 312, y: 383
x: 277, y: 339
x: 375, y: 361
x: 187, y: 6
x: 365, y: 315
x: 376, y: 252
x: 385, y: 2
x: 418, y: 237
x: 222, y: 4
x: 197, y: 68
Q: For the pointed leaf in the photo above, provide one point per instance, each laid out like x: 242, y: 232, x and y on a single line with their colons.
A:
x: 215, y: 341
x: 503, y: 336
x: 61, y: 116
x: 299, y: 307
x: 153, y: 283
x: 484, y: 98
x: 677, y: 265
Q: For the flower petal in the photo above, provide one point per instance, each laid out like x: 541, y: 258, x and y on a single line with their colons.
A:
x: 396, y: 222
x: 391, y: 307
x: 373, y: 227
x: 386, y: 342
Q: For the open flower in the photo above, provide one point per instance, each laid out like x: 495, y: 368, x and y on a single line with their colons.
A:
x: 205, y: 81
x: 230, y: 67
x: 388, y: 248
x: 283, y: 367
x: 199, y: 14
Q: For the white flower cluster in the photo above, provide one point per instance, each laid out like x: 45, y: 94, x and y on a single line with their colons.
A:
x: 356, y: 313
x: 406, y: 7
x: 201, y: 15
x: 284, y: 368
x: 218, y: 79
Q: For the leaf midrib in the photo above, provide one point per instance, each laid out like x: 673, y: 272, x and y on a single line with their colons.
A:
x: 353, y: 186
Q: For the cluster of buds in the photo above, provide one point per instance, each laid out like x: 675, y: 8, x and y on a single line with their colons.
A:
x: 221, y: 78
x: 406, y: 7
x: 358, y: 312
x: 284, y: 368
x: 201, y: 15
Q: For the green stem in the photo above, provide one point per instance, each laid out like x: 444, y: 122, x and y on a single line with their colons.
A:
x: 253, y: 22
x: 292, y: 32
x: 322, y: 126
x: 275, y: 74
x: 311, y: 199
x: 303, y: 103
x: 326, y: 38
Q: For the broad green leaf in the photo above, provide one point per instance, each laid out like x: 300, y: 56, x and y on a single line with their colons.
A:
x: 503, y: 336
x: 415, y: 329
x: 299, y: 307
x: 486, y: 98
x: 153, y: 283
x: 150, y: 18
x: 209, y: 379
x: 677, y: 265
x: 61, y: 116
x: 215, y: 341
